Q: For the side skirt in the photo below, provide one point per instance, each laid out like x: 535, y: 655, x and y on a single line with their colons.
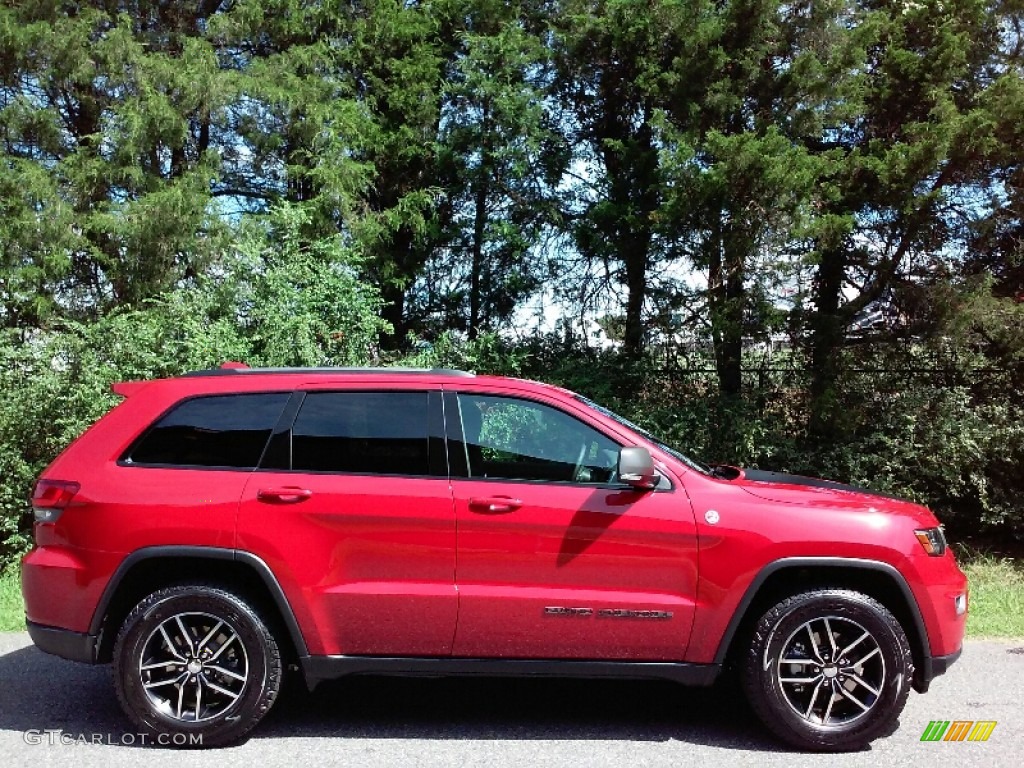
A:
x: 320, y: 668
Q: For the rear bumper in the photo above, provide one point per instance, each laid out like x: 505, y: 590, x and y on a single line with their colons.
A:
x: 932, y: 667
x: 76, y: 646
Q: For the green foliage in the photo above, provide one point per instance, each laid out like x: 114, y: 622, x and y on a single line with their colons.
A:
x: 920, y: 422
x: 996, y: 606
x: 487, y: 353
x: 300, y: 302
x: 279, y: 300
x: 105, y: 130
x: 12, y: 608
x: 288, y: 182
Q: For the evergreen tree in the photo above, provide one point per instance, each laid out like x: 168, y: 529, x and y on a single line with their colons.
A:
x: 106, y: 111
x: 506, y: 159
x: 929, y: 126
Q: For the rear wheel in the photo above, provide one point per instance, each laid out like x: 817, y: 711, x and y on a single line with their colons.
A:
x: 828, y: 670
x: 196, y: 666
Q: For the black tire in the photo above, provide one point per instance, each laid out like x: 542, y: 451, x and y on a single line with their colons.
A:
x: 238, y: 668
x: 797, y: 640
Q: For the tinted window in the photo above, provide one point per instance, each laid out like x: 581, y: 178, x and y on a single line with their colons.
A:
x: 379, y: 433
x: 523, y: 440
x: 217, y: 431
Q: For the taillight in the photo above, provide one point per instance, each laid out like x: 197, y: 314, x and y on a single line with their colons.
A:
x: 51, y: 497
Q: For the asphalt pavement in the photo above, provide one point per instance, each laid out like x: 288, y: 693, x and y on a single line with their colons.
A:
x: 54, y: 712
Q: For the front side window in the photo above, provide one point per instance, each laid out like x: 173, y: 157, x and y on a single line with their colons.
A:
x: 214, y: 431
x: 524, y: 440
x: 377, y: 433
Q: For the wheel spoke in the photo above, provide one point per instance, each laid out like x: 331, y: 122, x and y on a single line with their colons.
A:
x: 831, y: 639
x: 223, y: 671
x: 185, y: 634
x: 862, y: 659
x: 170, y: 644
x: 853, y: 698
x: 814, y: 643
x: 854, y: 644
x: 158, y: 665
x: 799, y: 661
x: 168, y: 681
x: 828, y: 709
x: 223, y: 646
x: 804, y: 680
x: 211, y: 633
x: 814, y: 698
x: 199, y: 695
x: 181, y: 698
x: 857, y: 679
x: 212, y: 685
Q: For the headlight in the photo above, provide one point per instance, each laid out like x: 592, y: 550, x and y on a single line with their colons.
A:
x: 933, y: 540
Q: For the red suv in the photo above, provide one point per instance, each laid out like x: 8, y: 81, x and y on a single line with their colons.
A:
x: 215, y: 529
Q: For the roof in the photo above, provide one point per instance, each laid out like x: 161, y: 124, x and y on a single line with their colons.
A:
x: 234, y: 369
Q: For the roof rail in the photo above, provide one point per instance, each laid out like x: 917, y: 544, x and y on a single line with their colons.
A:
x: 237, y: 371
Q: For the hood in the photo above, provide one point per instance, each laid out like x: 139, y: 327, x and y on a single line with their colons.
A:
x: 775, y: 485
x: 811, y: 491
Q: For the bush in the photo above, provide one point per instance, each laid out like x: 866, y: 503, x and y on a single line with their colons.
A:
x: 276, y: 301
x: 942, y: 427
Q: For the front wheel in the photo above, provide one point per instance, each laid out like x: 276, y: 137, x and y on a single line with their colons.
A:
x: 828, y: 670
x: 195, y: 665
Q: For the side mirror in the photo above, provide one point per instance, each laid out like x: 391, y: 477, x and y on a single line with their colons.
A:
x: 636, y: 468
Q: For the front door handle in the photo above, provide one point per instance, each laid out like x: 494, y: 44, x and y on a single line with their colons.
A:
x: 286, y: 495
x: 495, y: 505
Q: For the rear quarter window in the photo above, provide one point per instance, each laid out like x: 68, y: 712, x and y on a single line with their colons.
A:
x: 211, y: 431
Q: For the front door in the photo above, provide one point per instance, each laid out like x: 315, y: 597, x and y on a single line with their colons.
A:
x: 555, y: 558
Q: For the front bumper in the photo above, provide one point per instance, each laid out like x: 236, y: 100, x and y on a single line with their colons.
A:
x: 932, y: 667
x: 76, y: 646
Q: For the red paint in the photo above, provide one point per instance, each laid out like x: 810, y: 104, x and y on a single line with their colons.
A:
x: 428, y: 566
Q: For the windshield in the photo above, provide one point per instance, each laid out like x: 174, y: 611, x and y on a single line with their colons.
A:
x: 692, y: 463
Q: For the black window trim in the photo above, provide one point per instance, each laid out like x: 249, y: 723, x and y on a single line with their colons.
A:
x: 455, y: 438
x: 124, y: 459
x: 435, y: 419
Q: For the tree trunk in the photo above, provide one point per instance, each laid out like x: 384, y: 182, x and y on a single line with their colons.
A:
x: 479, y: 226
x: 827, y: 337
x: 726, y: 299
x: 393, y: 311
x: 631, y: 163
x: 634, y: 255
x: 393, y: 288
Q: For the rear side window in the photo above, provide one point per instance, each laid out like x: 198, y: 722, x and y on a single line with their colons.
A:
x: 215, y: 431
x: 377, y: 433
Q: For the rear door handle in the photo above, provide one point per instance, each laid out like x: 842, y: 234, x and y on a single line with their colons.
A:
x: 495, y: 505
x: 286, y: 495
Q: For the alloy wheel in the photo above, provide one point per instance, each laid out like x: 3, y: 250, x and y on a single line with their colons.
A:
x: 193, y: 667
x: 831, y: 671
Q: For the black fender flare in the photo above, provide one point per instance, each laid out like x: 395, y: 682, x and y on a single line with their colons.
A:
x: 210, y: 553
x: 922, y: 677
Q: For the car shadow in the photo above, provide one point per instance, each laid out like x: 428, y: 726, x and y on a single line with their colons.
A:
x: 41, y: 692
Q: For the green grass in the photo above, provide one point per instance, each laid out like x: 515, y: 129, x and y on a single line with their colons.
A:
x: 12, y: 610
x: 996, y: 584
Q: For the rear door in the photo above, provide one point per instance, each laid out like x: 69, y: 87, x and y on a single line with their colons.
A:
x: 555, y: 558
x: 186, y: 472
x: 352, y: 509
